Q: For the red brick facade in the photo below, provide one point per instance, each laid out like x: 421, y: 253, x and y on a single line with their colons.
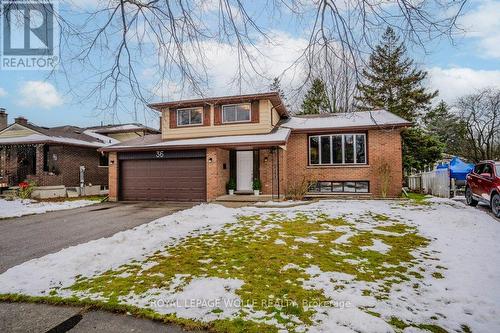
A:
x: 382, y: 146
x: 269, y: 171
x: 63, y: 166
x: 113, y: 176
x: 217, y: 172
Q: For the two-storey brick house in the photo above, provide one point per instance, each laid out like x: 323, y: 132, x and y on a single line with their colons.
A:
x: 206, y: 142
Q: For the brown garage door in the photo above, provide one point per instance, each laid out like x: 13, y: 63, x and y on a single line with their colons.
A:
x: 180, y: 179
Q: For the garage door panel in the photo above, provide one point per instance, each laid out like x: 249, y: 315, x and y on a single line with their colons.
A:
x: 169, y: 179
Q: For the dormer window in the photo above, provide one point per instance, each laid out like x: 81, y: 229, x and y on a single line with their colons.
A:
x: 190, y: 117
x: 236, y: 113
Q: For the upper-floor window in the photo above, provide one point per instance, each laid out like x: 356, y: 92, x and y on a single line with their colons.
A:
x: 191, y: 116
x: 236, y: 113
x: 337, y: 149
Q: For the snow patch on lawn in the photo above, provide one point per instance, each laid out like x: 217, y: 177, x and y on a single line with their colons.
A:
x: 344, y: 238
x: 203, y: 299
x: 378, y: 246
x: 279, y: 242
x: 309, y: 240
x: 21, y: 207
x: 282, y: 203
x: 290, y: 266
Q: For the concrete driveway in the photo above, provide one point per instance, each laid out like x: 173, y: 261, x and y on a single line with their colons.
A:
x: 28, y: 237
x: 33, y: 236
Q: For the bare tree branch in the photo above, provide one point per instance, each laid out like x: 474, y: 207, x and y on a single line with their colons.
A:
x: 138, y: 49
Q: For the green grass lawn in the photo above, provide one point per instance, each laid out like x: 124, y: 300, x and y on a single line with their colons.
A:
x: 271, y: 255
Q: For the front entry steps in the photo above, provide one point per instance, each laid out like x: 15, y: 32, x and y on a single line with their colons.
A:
x: 243, y: 192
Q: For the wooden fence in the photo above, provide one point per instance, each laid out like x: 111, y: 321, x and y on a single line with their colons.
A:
x: 436, y: 182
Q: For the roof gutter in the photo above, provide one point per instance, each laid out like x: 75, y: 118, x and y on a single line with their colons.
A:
x: 348, y: 128
x: 180, y: 147
x: 48, y: 142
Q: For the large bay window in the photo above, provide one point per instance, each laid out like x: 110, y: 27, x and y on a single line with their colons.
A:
x: 236, y: 113
x: 190, y: 117
x: 335, y: 149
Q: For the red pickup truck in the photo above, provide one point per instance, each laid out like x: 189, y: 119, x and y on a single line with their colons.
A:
x: 483, y: 185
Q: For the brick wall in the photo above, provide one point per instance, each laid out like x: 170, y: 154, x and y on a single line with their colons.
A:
x: 217, y: 175
x: 269, y: 171
x: 3, y: 165
x: 66, y: 166
x: 113, y: 176
x: 383, y: 146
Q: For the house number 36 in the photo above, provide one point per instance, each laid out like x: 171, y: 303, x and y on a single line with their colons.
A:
x: 159, y: 154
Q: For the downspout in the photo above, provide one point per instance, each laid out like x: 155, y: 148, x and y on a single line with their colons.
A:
x: 278, y: 158
x: 272, y: 173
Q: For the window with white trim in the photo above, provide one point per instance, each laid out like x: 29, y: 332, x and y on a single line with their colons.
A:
x: 236, y: 113
x: 190, y: 117
x: 336, y: 149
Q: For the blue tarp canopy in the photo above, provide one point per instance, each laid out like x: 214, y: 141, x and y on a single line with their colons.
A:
x: 458, y: 168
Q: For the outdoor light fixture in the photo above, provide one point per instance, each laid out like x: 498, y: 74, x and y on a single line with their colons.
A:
x: 209, y: 160
x: 265, y: 159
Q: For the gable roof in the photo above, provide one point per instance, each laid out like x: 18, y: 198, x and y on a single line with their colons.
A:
x: 274, y: 97
x: 70, y: 135
x: 350, y: 120
x: 122, y: 128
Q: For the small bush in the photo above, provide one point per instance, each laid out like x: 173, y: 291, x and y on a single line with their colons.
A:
x: 384, y: 174
x: 297, y: 190
x: 231, y: 184
x: 256, y: 185
x: 25, y: 190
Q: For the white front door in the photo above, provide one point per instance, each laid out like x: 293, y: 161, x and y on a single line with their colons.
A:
x: 244, y: 170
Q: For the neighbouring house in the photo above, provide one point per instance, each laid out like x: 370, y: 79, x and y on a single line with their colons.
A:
x: 64, y: 156
x: 206, y: 142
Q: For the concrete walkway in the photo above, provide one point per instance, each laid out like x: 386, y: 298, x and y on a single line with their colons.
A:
x: 38, y: 318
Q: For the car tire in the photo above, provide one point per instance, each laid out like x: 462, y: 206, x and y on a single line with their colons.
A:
x: 469, y: 198
x: 495, y: 205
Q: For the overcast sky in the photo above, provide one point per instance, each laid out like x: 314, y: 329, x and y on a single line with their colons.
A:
x: 471, y: 63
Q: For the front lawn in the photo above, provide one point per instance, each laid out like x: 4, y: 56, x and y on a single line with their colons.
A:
x: 343, y: 266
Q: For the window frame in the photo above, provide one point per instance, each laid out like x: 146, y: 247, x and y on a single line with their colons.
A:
x: 99, y: 165
x: 46, y: 158
x: 190, y: 124
x: 342, y: 135
x: 317, y: 186
x: 236, y: 121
